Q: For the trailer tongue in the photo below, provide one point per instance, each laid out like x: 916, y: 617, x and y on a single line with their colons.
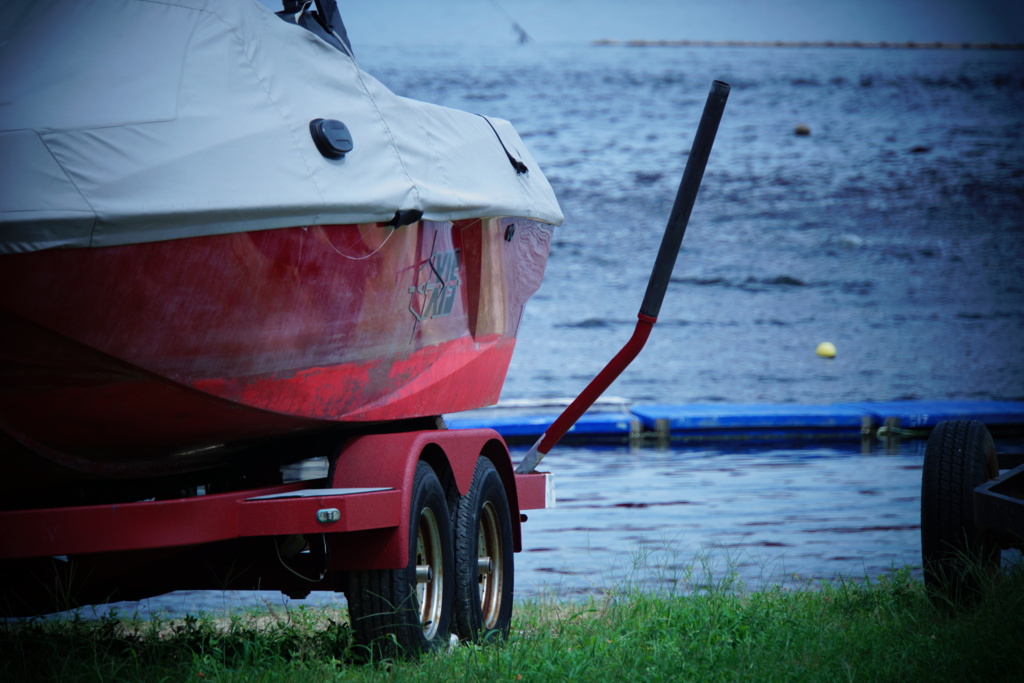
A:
x: 656, y: 286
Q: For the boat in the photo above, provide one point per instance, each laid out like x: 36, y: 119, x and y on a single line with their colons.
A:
x: 218, y: 232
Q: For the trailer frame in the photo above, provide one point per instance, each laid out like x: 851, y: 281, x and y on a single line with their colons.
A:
x: 355, y: 520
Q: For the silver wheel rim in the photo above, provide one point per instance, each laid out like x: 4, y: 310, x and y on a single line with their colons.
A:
x: 429, y: 572
x: 489, y: 565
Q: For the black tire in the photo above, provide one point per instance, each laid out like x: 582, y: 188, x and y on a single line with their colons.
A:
x: 393, y: 613
x: 958, y: 555
x: 484, y: 558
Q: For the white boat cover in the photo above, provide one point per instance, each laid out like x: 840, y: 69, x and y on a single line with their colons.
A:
x: 128, y: 121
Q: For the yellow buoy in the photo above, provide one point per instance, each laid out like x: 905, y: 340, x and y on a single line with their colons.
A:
x: 826, y: 350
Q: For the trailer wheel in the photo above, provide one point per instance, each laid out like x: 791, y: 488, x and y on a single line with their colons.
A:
x: 406, y: 611
x: 958, y: 555
x: 484, y: 564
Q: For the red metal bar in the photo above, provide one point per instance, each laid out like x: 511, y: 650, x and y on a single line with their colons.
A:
x: 656, y: 286
x: 597, y: 386
x: 188, y: 521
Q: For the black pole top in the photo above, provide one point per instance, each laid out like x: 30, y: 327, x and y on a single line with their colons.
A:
x: 685, y: 197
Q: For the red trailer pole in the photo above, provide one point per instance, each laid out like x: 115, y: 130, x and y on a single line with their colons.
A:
x: 656, y: 287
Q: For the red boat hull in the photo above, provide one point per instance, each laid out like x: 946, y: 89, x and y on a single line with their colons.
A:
x: 146, y: 359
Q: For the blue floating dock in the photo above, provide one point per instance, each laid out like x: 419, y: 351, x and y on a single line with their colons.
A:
x: 591, y: 425
x: 751, y: 415
x: 714, y: 421
x: 752, y: 420
x: 927, y: 414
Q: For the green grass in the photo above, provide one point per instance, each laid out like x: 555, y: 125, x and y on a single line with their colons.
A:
x: 884, y: 629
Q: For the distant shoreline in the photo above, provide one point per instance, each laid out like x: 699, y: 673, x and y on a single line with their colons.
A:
x: 937, y: 45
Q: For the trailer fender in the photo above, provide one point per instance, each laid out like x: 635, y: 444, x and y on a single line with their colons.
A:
x: 389, y: 460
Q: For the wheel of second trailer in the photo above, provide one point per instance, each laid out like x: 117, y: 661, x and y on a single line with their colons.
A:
x: 403, y: 612
x: 958, y: 556
x: 484, y: 564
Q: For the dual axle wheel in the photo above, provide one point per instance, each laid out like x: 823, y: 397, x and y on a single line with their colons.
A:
x: 460, y: 573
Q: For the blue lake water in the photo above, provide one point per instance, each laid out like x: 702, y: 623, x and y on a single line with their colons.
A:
x: 675, y: 518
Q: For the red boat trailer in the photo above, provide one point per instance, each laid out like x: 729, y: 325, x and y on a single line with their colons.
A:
x: 377, y: 516
x: 416, y: 526
x: 368, y: 491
